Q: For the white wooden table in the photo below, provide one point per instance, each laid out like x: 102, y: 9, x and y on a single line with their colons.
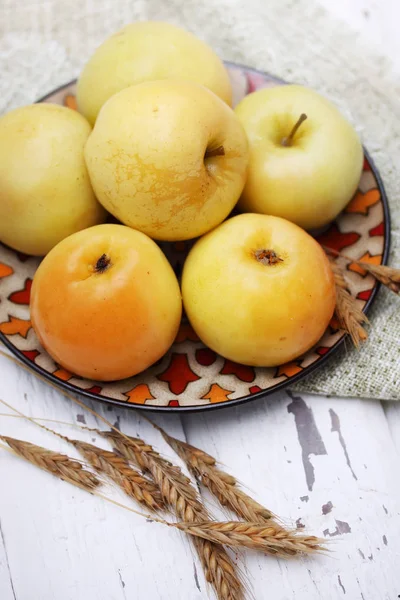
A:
x: 332, y: 465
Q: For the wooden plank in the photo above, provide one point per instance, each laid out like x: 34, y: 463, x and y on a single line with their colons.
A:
x: 325, y: 463
x: 280, y: 448
x: 63, y: 543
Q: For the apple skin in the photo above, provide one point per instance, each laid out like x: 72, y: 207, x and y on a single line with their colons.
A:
x: 146, y: 51
x: 111, y: 324
x: 253, y: 313
x: 45, y: 191
x: 312, y: 180
x: 146, y: 158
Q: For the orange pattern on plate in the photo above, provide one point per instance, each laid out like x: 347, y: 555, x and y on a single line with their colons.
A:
x: 216, y: 393
x: 14, y: 326
x: 367, y: 258
x: 289, y: 369
x: 5, y: 270
x: 63, y: 374
x: 361, y: 202
x: 139, y: 394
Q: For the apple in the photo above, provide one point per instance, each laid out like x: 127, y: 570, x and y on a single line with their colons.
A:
x: 146, y: 51
x: 305, y: 157
x: 168, y: 158
x: 105, y: 303
x: 45, y: 191
x: 258, y: 290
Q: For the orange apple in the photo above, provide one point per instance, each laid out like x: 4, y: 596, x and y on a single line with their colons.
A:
x: 106, y: 303
x: 258, y: 290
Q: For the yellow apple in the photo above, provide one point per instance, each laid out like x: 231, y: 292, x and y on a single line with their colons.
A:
x: 258, y: 290
x: 45, y: 191
x: 106, y: 303
x: 306, y: 174
x: 146, y: 51
x: 168, y: 158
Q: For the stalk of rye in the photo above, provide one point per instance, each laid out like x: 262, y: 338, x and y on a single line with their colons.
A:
x: 209, y: 535
x: 388, y: 276
x: 277, y: 540
x: 349, y: 315
x: 218, y: 567
x: 222, y: 485
x: 183, y: 499
x: 133, y: 483
x: 55, y: 463
x: 266, y: 538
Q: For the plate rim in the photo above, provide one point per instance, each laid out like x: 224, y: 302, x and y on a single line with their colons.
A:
x: 65, y: 385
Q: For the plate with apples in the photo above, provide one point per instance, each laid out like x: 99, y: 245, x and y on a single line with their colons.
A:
x: 184, y: 241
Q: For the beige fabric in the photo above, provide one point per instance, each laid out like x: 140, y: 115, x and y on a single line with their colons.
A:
x: 44, y: 43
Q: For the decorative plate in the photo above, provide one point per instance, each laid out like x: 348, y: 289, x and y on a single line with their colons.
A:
x: 191, y: 376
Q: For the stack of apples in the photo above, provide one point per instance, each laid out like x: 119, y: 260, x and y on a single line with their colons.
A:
x: 156, y: 144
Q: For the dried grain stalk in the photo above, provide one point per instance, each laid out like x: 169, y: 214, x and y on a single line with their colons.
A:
x: 222, y: 485
x: 348, y: 313
x: 388, y: 276
x: 58, y: 464
x: 266, y: 538
x: 182, y: 498
x: 133, y: 483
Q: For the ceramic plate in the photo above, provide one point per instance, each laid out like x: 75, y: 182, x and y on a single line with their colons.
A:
x: 191, y: 376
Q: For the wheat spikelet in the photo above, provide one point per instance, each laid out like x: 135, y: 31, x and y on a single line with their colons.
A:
x: 221, y: 484
x: 172, y: 483
x: 389, y: 276
x: 209, y: 536
x: 56, y: 463
x: 218, y: 567
x: 117, y: 468
x: 266, y: 538
x: 219, y: 570
x: 180, y: 495
x: 349, y: 315
x: 133, y: 483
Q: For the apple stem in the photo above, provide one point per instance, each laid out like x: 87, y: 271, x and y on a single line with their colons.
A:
x: 267, y: 257
x: 220, y: 151
x: 102, y: 263
x: 287, y: 141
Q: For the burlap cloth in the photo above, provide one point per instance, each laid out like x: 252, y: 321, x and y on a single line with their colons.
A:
x: 44, y: 43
